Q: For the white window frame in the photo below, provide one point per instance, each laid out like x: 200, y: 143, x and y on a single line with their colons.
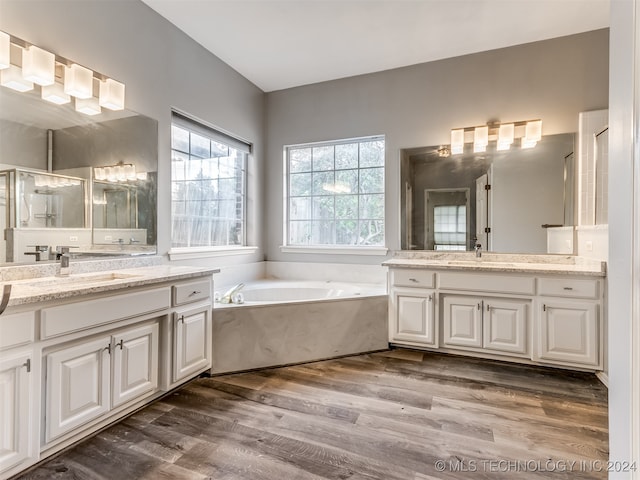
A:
x: 336, y: 249
x: 197, y: 126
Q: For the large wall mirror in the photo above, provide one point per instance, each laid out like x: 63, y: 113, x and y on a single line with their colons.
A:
x: 69, y: 179
x: 503, y: 200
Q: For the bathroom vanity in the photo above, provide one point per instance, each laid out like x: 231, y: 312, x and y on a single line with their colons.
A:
x: 79, y: 352
x: 542, y: 309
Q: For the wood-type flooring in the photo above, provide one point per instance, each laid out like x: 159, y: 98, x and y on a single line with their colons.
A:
x: 395, y: 415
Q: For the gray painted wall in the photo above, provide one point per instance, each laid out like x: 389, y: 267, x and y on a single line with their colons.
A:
x: 161, y: 68
x: 419, y: 105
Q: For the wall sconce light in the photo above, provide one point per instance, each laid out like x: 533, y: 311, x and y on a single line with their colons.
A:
x: 38, y: 66
x: 533, y: 134
x: 58, y: 78
x: 529, y: 133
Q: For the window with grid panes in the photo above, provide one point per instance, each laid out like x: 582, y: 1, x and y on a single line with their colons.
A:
x: 335, y: 193
x: 208, y: 186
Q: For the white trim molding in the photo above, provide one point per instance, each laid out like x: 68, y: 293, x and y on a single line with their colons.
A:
x: 335, y: 250
x: 205, y: 252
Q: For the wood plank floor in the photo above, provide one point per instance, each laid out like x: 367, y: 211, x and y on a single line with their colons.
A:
x: 393, y: 415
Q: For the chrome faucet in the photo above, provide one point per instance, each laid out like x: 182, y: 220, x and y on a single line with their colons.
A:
x: 228, y: 296
x: 62, y: 253
x: 40, y: 252
x: 478, y: 252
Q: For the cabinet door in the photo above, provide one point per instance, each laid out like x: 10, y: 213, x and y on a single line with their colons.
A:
x: 412, y: 317
x: 135, y: 363
x: 569, y: 332
x: 505, y: 325
x: 191, y: 344
x: 462, y: 318
x: 15, y: 393
x: 77, y: 385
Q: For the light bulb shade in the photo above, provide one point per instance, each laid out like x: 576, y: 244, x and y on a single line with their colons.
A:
x: 55, y: 94
x: 457, y: 141
x: 78, y: 81
x: 130, y: 172
x: 38, y: 66
x: 88, y: 106
x: 532, y: 134
x: 480, y: 139
x: 5, y: 50
x: 112, y: 94
x: 12, y: 78
x: 506, y: 133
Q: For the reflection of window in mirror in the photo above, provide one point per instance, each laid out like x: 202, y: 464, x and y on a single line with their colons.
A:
x: 450, y: 227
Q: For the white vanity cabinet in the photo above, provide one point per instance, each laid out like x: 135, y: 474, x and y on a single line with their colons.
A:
x: 88, y: 379
x: 524, y: 316
x: 412, y: 307
x: 570, y: 326
x: 498, y: 325
x: 19, y: 392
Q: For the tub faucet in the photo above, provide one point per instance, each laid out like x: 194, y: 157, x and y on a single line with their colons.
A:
x: 478, y: 252
x: 228, y: 296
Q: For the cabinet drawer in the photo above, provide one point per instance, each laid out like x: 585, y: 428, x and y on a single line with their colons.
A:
x: 482, y: 282
x: 412, y: 277
x: 16, y: 329
x: 574, y: 288
x: 191, y: 292
x: 77, y: 316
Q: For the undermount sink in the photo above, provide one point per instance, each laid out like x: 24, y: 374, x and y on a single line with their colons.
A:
x: 79, y: 279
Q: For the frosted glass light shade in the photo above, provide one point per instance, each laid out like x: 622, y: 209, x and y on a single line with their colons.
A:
x: 112, y: 94
x: 88, y: 106
x: 532, y: 135
x: 480, y: 139
x: 55, y: 94
x: 506, y: 133
x: 12, y: 78
x: 38, y: 66
x: 457, y: 141
x: 78, y: 81
x: 5, y: 50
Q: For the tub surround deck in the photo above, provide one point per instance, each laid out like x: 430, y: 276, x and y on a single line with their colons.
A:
x: 499, y: 262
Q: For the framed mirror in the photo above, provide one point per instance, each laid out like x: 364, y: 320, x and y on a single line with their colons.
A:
x: 503, y: 200
x: 54, y: 190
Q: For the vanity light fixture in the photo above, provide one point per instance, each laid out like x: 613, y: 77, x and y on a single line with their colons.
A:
x: 122, y: 172
x: 58, y: 78
x: 529, y: 132
x: 480, y: 139
x: 5, y: 50
x: 78, y: 81
x: 533, y: 134
x: 38, y: 66
x: 112, y: 94
x: 506, y: 133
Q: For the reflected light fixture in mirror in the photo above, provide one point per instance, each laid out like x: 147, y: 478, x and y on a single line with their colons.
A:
x: 457, y: 141
x: 58, y: 78
x: 480, y: 139
x: 505, y: 136
x: 533, y: 134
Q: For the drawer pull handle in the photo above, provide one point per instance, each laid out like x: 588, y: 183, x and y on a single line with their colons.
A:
x: 544, y: 308
x: 479, y: 307
x: 120, y: 344
x: 430, y: 297
x: 488, y: 307
x: 181, y: 318
x: 413, y: 280
x: 568, y: 288
x: 108, y: 348
x: 195, y: 292
x: 28, y: 365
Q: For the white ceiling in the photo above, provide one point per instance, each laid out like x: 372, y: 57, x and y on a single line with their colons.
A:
x: 279, y: 44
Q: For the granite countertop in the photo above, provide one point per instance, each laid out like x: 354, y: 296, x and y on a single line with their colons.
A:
x: 44, y: 289
x: 494, y: 262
